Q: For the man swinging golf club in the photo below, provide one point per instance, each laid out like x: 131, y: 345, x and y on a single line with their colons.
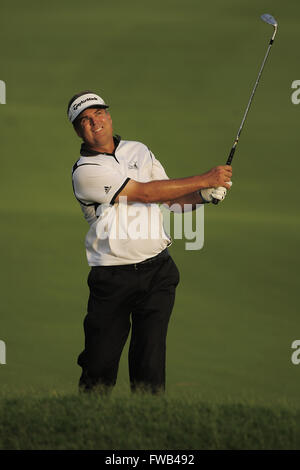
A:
x: 132, y: 281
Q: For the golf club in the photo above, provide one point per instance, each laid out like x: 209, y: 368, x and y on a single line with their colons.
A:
x: 270, y: 20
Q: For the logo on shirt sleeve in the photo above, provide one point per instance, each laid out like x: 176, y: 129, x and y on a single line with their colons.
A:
x: 107, y: 189
x: 133, y: 166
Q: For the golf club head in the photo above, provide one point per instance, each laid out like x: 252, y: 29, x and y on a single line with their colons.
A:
x: 269, y: 19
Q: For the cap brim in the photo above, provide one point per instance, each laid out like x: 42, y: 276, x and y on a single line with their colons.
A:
x: 103, y: 106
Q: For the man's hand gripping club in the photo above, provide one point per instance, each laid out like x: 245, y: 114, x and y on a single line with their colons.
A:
x: 219, y: 193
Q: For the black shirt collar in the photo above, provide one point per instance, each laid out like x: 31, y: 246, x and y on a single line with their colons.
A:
x: 86, y: 152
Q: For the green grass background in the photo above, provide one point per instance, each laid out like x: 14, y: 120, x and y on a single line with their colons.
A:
x: 145, y: 422
x: 178, y: 76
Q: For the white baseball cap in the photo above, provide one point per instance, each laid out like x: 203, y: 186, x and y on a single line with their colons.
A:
x: 84, y: 101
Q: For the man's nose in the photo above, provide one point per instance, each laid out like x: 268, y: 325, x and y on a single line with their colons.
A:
x: 96, y: 120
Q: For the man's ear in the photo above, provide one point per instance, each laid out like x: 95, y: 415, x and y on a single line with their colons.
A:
x: 77, y: 130
x: 109, y: 116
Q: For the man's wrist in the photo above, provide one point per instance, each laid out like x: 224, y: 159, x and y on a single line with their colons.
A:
x: 204, y: 201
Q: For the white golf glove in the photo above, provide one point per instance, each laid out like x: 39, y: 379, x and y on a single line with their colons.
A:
x: 209, y: 194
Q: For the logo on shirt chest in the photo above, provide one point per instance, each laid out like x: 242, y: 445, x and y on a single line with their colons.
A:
x: 133, y: 166
x: 107, y: 189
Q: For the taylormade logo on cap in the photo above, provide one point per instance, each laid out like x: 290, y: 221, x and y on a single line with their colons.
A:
x: 83, y: 102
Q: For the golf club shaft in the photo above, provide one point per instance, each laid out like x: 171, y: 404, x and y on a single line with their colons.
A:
x: 232, y: 151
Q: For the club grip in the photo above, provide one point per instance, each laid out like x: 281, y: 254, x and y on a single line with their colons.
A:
x: 229, y: 160
x: 230, y: 157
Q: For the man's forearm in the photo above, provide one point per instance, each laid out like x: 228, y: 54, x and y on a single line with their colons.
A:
x: 160, y: 191
x: 189, y: 199
x: 178, y: 189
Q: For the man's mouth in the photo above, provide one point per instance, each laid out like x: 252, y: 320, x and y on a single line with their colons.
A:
x: 99, y: 129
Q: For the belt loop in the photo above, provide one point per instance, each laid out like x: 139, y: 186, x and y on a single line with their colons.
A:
x: 135, y: 267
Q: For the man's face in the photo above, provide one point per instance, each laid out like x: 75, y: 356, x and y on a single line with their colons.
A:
x: 94, y: 126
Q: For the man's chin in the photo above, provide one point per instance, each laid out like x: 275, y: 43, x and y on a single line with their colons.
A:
x: 97, y: 140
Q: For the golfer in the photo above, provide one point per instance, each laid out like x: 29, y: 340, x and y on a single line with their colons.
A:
x: 119, y: 185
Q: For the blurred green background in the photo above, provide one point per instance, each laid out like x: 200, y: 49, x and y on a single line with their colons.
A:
x: 178, y: 76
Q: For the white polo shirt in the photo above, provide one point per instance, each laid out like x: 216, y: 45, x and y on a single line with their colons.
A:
x: 120, y: 233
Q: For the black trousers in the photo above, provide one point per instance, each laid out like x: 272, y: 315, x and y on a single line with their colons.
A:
x: 140, y: 297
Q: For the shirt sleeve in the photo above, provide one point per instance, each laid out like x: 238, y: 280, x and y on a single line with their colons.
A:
x: 89, y: 213
x: 158, y: 171
x: 96, y: 183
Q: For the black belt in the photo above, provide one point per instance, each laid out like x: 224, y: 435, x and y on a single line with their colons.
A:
x: 162, y: 255
x: 136, y: 266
